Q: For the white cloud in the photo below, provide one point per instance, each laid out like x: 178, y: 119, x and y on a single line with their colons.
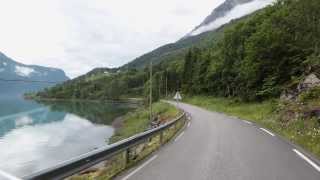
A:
x: 78, y: 35
x: 237, y: 12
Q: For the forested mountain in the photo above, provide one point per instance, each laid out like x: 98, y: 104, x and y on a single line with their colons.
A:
x: 201, y: 35
x: 12, y: 70
x: 174, y: 50
x: 260, y: 56
x: 253, y: 58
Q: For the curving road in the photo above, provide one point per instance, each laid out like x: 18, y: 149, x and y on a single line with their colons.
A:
x: 217, y: 147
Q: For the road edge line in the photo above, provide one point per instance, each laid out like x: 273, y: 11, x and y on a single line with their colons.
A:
x: 270, y: 133
x: 301, y: 155
x: 247, y: 122
x: 178, y: 137
x: 140, y: 167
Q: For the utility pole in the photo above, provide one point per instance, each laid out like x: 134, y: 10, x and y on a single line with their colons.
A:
x: 127, y: 78
x: 166, y: 84
x: 150, y: 98
x: 160, y: 82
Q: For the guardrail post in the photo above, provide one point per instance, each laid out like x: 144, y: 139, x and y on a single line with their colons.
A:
x: 127, y: 157
x: 176, y: 127
x: 161, y: 138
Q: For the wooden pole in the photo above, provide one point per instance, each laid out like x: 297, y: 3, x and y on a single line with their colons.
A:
x: 166, y: 85
x: 150, y: 98
x: 160, y: 82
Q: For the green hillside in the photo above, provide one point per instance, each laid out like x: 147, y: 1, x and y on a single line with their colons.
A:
x: 254, y: 58
x: 175, y: 50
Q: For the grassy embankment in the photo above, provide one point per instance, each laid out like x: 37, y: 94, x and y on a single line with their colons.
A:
x: 131, y: 124
x: 138, y: 121
x: 269, y: 114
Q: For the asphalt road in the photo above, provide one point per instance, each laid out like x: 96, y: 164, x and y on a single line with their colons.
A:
x: 217, y: 147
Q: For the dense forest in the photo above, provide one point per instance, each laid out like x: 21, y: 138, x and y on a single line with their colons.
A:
x: 254, y: 58
x: 260, y: 57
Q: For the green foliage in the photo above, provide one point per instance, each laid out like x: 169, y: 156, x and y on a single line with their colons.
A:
x: 310, y: 95
x: 312, y: 64
x: 259, y: 55
x: 250, y: 111
x: 138, y: 121
x: 103, y: 85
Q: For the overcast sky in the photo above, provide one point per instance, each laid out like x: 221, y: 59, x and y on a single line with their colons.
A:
x: 78, y: 35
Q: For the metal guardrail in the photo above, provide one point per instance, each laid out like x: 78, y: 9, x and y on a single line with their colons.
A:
x: 85, y: 161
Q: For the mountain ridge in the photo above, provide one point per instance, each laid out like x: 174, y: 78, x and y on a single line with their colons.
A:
x: 219, y: 12
x: 13, y: 70
x: 170, y: 50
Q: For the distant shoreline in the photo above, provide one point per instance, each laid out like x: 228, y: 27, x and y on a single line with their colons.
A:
x: 128, y: 100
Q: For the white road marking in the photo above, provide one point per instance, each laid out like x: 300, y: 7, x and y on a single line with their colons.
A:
x: 180, y: 135
x: 139, y: 168
x: 8, y: 176
x: 307, y: 159
x: 247, y: 122
x: 270, y: 133
x: 189, y: 124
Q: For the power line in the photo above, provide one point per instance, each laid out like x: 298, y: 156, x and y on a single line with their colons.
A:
x: 30, y: 81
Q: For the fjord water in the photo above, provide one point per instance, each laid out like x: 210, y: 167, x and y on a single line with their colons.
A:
x: 36, y: 136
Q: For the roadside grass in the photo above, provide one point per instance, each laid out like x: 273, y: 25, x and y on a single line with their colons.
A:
x: 304, y: 132
x: 138, y: 121
x: 251, y: 111
x: 133, y: 123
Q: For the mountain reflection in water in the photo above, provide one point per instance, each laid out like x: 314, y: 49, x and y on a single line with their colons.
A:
x: 44, y: 134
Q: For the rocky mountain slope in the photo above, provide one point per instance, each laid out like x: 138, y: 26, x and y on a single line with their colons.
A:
x: 12, y: 70
x: 227, y: 11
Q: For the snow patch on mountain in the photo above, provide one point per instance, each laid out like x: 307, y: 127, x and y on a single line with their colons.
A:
x: 24, y: 71
x: 237, y: 12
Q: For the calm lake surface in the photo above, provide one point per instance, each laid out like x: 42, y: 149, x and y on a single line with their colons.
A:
x: 36, y: 136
